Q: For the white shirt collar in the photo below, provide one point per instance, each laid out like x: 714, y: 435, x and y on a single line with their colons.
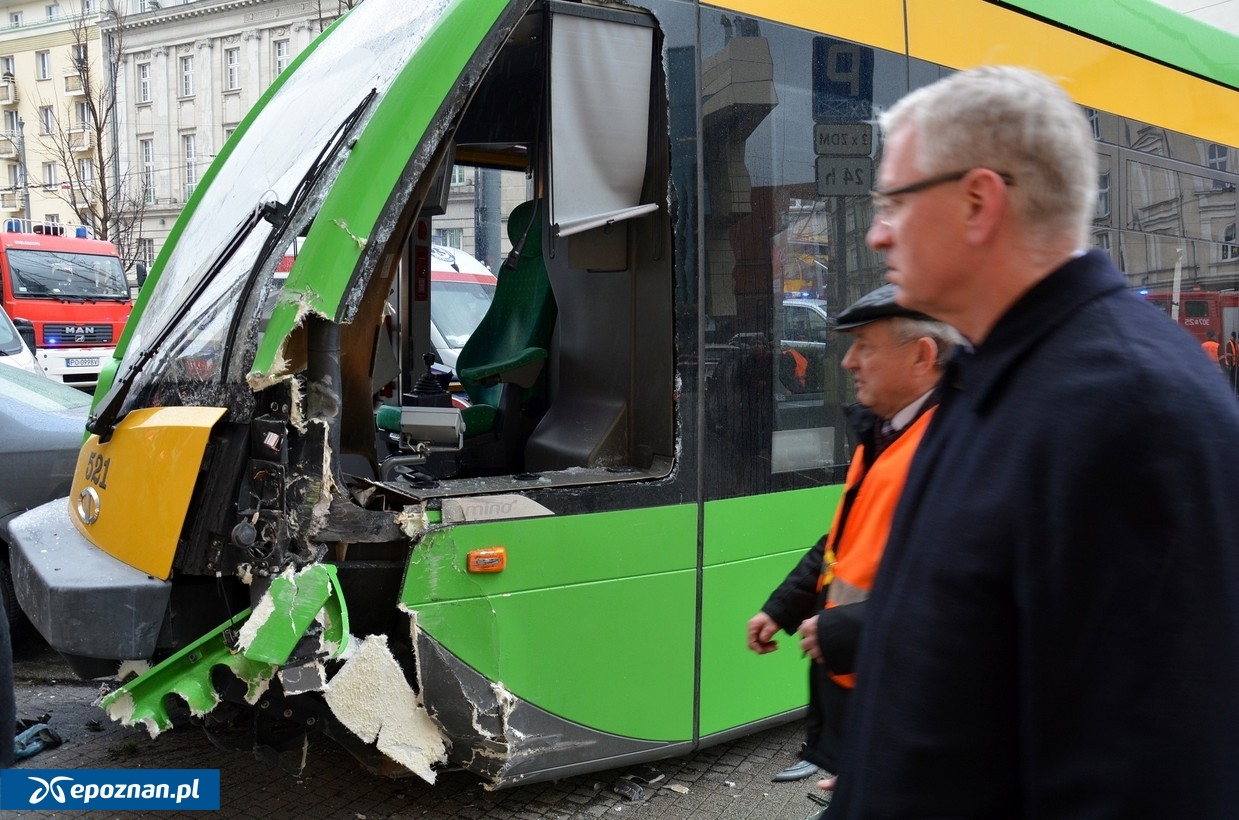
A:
x: 905, y: 416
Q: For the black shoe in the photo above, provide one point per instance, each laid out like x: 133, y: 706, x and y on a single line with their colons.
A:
x: 797, y: 771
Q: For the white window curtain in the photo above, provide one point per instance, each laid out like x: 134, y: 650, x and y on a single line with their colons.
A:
x: 600, y: 109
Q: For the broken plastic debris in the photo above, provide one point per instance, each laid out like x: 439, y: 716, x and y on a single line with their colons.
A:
x: 629, y: 790
x: 298, y: 597
x: 677, y: 788
x: 371, y: 696
x: 187, y: 674
x: 645, y: 774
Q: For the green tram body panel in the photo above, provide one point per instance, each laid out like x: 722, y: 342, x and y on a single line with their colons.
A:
x: 587, y: 609
x: 593, y: 618
x: 738, y: 686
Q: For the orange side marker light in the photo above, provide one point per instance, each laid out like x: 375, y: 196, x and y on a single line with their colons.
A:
x: 489, y: 559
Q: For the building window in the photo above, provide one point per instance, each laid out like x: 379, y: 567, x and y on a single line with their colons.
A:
x: 1094, y: 121
x: 52, y: 11
x: 83, y: 120
x: 47, y: 119
x: 232, y: 69
x: 1229, y: 250
x: 1217, y: 159
x: 146, y: 251
x: 1103, y: 196
x: 187, y: 76
x: 80, y: 55
x: 147, y: 150
x: 85, y: 173
x: 189, y: 142
x: 458, y: 175
x: 281, y: 51
x: 11, y: 121
x: 450, y: 237
x: 50, y: 178
x: 15, y: 177
x: 7, y: 65
x: 43, y: 64
x: 88, y: 6
x: 15, y: 18
x: 144, y: 82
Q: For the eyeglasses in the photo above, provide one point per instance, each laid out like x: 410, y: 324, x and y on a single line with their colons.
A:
x: 883, y: 200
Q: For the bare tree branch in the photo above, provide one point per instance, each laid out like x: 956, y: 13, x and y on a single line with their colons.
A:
x: 106, y: 197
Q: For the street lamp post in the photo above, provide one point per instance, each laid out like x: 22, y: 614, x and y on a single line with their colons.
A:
x: 21, y: 169
x: 22, y: 178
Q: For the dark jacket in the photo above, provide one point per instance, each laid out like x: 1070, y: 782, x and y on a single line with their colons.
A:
x: 1054, y: 631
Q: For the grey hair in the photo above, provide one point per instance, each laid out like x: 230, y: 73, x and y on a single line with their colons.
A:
x: 947, y: 338
x: 1013, y: 121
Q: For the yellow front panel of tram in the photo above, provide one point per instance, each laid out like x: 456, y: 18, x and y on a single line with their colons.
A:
x: 131, y: 494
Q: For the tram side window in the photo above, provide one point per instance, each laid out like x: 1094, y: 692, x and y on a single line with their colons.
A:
x: 1173, y: 221
x: 784, y: 226
x: 598, y: 391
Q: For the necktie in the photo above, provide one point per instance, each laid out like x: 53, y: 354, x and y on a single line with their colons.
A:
x: 886, y: 433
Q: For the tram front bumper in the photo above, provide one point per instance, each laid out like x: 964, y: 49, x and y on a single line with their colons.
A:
x: 83, y: 601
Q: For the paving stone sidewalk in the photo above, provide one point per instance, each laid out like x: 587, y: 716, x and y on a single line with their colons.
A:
x: 726, y: 782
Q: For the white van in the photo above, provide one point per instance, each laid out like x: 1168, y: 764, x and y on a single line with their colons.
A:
x: 13, y: 349
x: 461, y: 290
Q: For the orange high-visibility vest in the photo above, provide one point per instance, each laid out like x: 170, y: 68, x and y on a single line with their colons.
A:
x: 852, y: 560
x: 800, y: 367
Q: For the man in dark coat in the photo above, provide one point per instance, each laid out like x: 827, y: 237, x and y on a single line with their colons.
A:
x: 1054, y: 631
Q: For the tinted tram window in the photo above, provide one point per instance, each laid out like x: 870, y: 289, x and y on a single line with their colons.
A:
x: 788, y: 156
x: 1163, y: 212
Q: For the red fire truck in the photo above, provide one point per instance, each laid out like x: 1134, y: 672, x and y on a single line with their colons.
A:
x: 67, y: 293
x: 1201, y: 311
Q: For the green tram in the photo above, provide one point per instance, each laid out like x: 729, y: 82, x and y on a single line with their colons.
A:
x: 286, y: 519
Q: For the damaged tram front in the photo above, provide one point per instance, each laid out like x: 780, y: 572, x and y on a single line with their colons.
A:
x: 287, y: 517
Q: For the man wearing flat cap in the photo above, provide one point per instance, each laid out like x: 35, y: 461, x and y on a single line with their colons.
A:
x: 895, y: 358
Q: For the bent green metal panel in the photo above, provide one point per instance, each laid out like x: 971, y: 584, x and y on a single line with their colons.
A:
x: 335, y: 242
x: 594, y: 618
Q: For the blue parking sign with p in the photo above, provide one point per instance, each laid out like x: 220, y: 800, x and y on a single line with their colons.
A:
x: 842, y: 80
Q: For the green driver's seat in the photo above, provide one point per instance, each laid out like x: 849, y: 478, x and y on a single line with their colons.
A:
x: 502, y: 366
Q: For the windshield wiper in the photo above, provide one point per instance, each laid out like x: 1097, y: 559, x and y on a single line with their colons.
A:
x: 104, y: 421
x: 276, y: 213
x: 284, y: 214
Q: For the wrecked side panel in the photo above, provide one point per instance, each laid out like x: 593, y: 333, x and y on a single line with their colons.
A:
x: 509, y: 741
x: 296, y: 637
x: 576, y: 593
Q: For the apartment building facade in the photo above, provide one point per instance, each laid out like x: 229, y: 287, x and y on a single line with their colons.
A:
x: 188, y: 73
x: 49, y: 160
